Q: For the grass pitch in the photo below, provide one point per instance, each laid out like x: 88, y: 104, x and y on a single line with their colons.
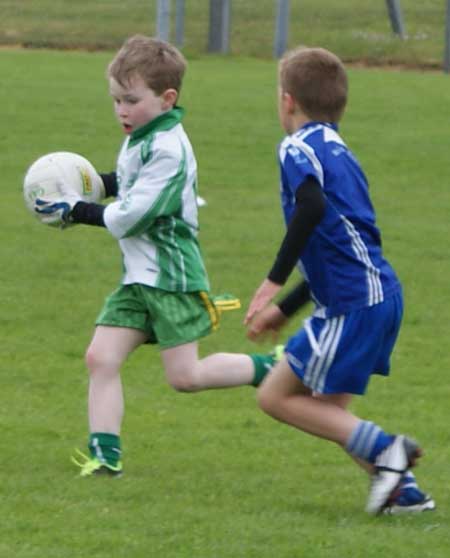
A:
x: 208, y: 475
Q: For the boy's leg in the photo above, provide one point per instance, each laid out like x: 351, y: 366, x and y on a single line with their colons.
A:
x: 108, y: 350
x: 106, y: 353
x: 178, y: 321
x: 409, y: 498
x: 343, y: 400
x: 284, y: 397
x: 186, y: 372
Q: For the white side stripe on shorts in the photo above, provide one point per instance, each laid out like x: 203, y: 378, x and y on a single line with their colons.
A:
x: 312, y: 340
x: 319, y: 364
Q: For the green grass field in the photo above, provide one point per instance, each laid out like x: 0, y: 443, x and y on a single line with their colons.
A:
x: 355, y: 30
x: 208, y: 475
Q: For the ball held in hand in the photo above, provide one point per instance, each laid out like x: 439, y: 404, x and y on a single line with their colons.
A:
x: 50, y: 173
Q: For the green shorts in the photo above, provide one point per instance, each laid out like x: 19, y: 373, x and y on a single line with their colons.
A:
x: 169, y: 319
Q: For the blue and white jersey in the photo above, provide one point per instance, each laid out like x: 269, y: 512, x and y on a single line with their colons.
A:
x: 342, y: 261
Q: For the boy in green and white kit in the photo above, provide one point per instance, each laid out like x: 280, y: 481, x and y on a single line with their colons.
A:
x: 163, y: 297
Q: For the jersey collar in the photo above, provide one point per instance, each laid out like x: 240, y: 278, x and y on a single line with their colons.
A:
x: 312, y: 123
x: 162, y: 123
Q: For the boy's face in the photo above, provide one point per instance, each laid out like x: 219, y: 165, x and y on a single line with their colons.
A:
x: 136, y: 104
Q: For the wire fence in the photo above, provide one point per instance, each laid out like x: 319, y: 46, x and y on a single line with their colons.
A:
x: 220, y: 25
x: 410, y: 32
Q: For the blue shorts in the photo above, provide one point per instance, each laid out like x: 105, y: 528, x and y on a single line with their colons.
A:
x: 339, y: 354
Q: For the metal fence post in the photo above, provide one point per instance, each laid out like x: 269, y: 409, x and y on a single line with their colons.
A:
x: 396, y: 17
x: 163, y: 20
x: 179, y: 23
x: 219, y: 26
x: 447, y: 40
x: 281, y: 28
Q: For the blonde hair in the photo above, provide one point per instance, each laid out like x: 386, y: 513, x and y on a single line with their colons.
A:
x: 317, y: 81
x: 157, y: 62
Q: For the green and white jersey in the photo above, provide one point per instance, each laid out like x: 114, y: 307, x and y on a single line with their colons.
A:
x: 155, y: 215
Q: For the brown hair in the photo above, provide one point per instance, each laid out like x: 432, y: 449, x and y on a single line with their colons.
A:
x: 317, y: 81
x: 157, y: 62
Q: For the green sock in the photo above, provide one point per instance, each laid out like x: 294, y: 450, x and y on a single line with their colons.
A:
x: 105, y: 447
x: 262, y: 365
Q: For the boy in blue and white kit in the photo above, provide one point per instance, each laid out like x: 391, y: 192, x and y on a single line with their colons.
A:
x: 163, y: 296
x: 333, y: 237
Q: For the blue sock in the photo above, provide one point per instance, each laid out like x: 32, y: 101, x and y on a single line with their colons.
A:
x: 408, y: 480
x: 409, y: 493
x: 368, y: 440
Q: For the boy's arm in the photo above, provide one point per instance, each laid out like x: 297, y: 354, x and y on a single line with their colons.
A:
x: 74, y: 210
x: 92, y: 213
x: 88, y: 214
x: 273, y: 317
x: 150, y: 196
x: 310, y: 209
x: 309, y: 212
x: 156, y: 193
x: 110, y: 184
x: 295, y: 299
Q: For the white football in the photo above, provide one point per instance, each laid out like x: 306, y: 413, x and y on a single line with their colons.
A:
x: 44, y: 176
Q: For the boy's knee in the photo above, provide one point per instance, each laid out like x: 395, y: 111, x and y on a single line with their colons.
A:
x: 183, y: 380
x: 90, y: 358
x: 97, y: 360
x: 267, y: 401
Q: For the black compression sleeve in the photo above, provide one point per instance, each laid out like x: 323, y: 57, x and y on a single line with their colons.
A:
x: 297, y: 298
x: 88, y: 213
x: 110, y: 184
x: 309, y: 212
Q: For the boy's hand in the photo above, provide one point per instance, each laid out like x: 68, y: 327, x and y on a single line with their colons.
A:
x: 261, y: 298
x: 269, y: 321
x: 57, y: 212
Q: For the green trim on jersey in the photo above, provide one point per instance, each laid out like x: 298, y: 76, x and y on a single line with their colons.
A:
x: 162, y: 123
x: 167, y: 203
x: 177, y: 248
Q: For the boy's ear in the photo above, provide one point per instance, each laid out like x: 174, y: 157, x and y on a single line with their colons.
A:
x: 170, y: 97
x: 289, y: 102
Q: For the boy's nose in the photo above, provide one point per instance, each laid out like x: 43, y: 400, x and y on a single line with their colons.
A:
x: 121, y: 111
